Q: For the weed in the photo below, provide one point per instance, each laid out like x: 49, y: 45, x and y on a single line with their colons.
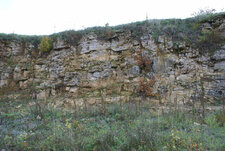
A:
x: 119, y: 128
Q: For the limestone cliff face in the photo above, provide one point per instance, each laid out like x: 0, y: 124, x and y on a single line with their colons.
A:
x: 109, y: 70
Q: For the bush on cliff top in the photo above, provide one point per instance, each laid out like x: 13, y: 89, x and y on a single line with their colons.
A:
x: 46, y: 44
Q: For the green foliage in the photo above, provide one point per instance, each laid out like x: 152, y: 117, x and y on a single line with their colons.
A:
x: 119, y: 127
x: 178, y: 29
x: 187, y: 30
x: 35, y: 40
x: 220, y: 118
x: 211, y: 121
x: 210, y: 41
x: 137, y: 29
x: 207, y: 15
x: 175, y: 28
x: 46, y: 44
x: 204, y: 14
x: 73, y: 37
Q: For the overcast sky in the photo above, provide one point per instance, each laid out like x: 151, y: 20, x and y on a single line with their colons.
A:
x: 38, y: 17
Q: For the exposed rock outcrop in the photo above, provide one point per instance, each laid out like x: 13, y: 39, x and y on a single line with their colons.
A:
x: 95, y: 68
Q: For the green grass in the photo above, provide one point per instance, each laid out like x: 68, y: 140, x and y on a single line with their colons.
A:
x: 40, y: 125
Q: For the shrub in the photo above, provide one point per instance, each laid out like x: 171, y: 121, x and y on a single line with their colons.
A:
x: 211, y: 121
x: 204, y: 14
x: 35, y: 40
x: 220, y: 118
x: 145, y: 86
x: 209, y: 41
x: 46, y: 44
x: 143, y: 61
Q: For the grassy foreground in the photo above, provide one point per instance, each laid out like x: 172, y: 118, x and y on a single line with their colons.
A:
x: 40, y: 125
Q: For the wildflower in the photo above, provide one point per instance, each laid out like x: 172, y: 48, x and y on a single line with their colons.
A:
x: 68, y: 124
x: 24, y: 144
x: 38, y: 117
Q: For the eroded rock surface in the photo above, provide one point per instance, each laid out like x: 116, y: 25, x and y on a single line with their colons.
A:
x: 95, y: 69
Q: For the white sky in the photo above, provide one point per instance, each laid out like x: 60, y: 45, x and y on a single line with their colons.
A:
x: 38, y: 17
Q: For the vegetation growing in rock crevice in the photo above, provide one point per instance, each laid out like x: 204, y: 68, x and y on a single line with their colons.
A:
x: 145, y: 86
x: 143, y: 61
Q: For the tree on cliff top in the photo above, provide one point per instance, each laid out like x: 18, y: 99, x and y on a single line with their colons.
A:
x: 46, y: 44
